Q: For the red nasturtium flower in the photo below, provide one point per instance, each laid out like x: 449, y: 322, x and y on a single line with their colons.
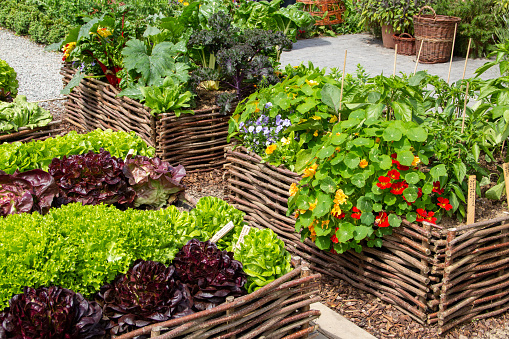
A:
x: 393, y: 174
x: 398, y: 165
x: 422, y: 215
x: 385, y: 182
x: 334, y: 239
x: 399, y: 187
x: 382, y: 220
x: 356, y: 213
x: 436, y: 188
x: 444, y: 203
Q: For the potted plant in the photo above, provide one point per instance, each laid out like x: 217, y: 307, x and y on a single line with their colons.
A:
x: 392, y: 16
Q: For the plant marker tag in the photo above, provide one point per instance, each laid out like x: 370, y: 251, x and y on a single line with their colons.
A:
x: 506, y: 178
x: 243, y: 233
x: 129, y: 155
x: 471, y: 199
x: 222, y: 232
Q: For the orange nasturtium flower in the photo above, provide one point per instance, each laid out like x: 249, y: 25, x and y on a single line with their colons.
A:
x: 363, y: 163
x: 293, y: 189
x: 340, y: 197
x: 271, y: 148
x: 310, y: 171
x: 312, y: 205
x: 416, y: 161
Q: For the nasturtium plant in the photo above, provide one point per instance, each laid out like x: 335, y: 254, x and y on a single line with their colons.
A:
x: 363, y: 176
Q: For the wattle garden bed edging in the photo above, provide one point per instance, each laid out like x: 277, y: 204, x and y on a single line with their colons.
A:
x: 434, y: 274
x: 277, y: 310
x: 25, y: 134
x: 195, y: 141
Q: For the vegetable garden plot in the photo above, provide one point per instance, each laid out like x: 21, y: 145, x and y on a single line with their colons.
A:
x: 434, y: 275
x: 195, y: 141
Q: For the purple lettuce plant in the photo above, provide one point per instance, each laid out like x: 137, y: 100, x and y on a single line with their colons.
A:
x: 26, y: 192
x: 264, y: 131
x: 51, y: 313
x: 146, y: 294
x: 155, y: 181
x: 212, y: 273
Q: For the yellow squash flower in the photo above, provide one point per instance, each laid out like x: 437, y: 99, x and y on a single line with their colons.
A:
x: 293, y: 189
x: 316, y: 117
x: 271, y: 148
x: 363, y: 163
x: 310, y: 171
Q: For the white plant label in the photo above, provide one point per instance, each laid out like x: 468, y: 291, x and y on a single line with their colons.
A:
x: 243, y: 233
x: 129, y: 155
x: 221, y: 233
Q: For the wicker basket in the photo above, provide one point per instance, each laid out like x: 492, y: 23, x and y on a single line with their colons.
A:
x: 405, y: 42
x: 436, y: 32
x: 332, y: 9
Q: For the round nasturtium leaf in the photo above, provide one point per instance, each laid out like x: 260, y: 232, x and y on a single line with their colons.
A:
x: 392, y: 134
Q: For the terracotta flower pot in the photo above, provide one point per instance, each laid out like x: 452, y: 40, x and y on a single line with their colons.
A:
x: 387, y: 33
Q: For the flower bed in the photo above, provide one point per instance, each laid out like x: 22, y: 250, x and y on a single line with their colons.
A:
x: 421, y: 269
x: 94, y: 104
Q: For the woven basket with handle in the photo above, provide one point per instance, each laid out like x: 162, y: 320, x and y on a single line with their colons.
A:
x: 436, y: 33
x: 405, y: 42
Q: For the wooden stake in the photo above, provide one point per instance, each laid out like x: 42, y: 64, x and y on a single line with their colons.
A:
x: 466, y: 60
x: 506, y: 178
x: 395, y: 59
x: 471, y: 199
x: 342, y: 85
x: 464, y: 109
x: 418, y: 56
x: 452, y: 52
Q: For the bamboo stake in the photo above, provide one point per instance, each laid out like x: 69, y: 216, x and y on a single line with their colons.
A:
x: 506, y: 178
x: 471, y: 200
x: 452, y: 52
x: 418, y: 56
x: 395, y: 59
x: 466, y: 60
x: 464, y: 109
x: 342, y: 85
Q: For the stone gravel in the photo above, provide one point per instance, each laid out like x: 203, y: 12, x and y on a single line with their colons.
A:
x: 37, y: 70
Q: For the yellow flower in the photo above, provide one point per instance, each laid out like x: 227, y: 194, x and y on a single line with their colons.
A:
x: 294, y: 95
x: 363, y: 163
x: 336, y: 210
x: 295, y: 66
x: 257, y: 110
x: 340, y: 197
x: 309, y: 172
x: 285, y: 141
x: 325, y: 223
x: 271, y: 148
x: 315, y: 134
x: 333, y: 119
x: 186, y: 3
x: 338, y: 149
x: 302, y: 120
x: 312, y: 205
x: 311, y: 82
x: 416, y: 161
x: 312, y: 230
x: 104, y: 32
x: 296, y: 215
x: 316, y: 117
x: 338, y: 134
x: 293, y: 189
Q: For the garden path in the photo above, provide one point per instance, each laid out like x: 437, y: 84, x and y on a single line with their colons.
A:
x: 364, y: 49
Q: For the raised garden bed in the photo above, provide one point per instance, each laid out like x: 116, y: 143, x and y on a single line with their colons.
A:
x: 195, y: 141
x: 277, y: 310
x: 39, y: 133
x: 433, y: 274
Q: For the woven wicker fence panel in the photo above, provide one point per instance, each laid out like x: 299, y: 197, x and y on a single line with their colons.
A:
x: 94, y: 104
x: 476, y: 272
x: 397, y: 273
x: 277, y: 310
x: 327, y: 12
x: 196, y: 141
x: 24, y: 134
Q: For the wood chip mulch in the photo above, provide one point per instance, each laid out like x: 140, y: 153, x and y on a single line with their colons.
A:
x: 385, y: 321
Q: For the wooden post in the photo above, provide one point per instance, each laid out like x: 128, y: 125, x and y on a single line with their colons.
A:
x: 229, y: 312
x: 466, y: 60
x: 305, y: 273
x: 506, y: 178
x: 452, y: 52
x: 418, y: 56
x: 342, y: 85
x: 464, y: 109
x: 395, y: 59
x: 156, y: 331
x: 471, y: 199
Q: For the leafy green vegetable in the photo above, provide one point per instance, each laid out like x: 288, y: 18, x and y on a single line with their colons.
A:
x: 39, y: 154
x: 264, y: 258
x: 8, y: 81
x: 170, y: 97
x: 21, y: 113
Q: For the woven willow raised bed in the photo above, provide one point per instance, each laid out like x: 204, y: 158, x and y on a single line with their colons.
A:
x: 277, y: 310
x: 25, y: 134
x: 435, y: 275
x: 195, y: 141
x: 327, y: 12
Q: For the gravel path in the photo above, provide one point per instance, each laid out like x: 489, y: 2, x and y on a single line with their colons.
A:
x: 364, y: 49
x: 38, y: 70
